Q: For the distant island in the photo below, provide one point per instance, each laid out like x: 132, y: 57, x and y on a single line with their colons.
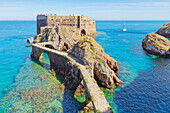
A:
x: 74, y: 54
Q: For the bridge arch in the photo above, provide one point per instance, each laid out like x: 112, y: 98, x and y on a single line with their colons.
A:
x: 49, y: 46
x: 83, y: 32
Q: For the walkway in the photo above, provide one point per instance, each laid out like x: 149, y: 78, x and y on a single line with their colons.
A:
x: 98, y: 99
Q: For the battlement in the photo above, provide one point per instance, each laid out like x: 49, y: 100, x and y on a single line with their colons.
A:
x: 80, y: 22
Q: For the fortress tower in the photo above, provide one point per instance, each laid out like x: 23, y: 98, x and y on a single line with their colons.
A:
x: 86, y: 25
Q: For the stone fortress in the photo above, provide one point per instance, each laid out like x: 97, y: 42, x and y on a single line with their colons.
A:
x: 86, y: 25
x: 75, y: 55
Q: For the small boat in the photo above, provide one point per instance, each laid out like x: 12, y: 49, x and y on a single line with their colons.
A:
x: 124, y: 29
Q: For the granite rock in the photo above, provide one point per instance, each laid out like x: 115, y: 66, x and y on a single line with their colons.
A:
x: 30, y: 40
x: 165, y: 30
x: 156, y: 44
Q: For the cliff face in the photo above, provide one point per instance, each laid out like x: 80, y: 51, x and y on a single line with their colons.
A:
x: 156, y: 44
x: 165, y: 30
x: 92, y: 54
x: 62, y: 65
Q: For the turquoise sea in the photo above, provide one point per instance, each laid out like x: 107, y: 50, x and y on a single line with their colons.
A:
x: 28, y: 86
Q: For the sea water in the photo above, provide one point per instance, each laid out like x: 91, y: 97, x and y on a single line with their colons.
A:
x: 146, y: 78
x: 26, y: 85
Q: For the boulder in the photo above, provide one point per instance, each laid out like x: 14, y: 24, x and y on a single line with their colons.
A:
x: 156, y: 44
x: 38, y: 38
x: 92, y: 54
x: 30, y: 40
x: 165, y: 30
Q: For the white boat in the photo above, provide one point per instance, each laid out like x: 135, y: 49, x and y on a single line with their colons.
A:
x: 124, y: 29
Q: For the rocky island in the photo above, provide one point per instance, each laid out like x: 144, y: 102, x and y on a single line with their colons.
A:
x: 74, y: 54
x: 157, y: 43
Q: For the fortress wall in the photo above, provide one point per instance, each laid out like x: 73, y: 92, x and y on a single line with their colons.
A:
x: 90, y: 31
x: 41, y: 22
x: 82, y: 22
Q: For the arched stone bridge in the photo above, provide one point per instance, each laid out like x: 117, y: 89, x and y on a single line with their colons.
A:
x: 64, y: 63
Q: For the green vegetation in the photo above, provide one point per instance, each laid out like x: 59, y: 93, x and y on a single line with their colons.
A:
x: 80, y: 97
x: 94, y: 81
x: 87, y: 67
x: 86, y: 80
x: 109, y: 107
x: 49, y: 38
x: 92, y: 48
x: 98, y: 111
x: 69, y: 58
x: 89, y: 90
x: 78, y: 66
x: 92, y: 98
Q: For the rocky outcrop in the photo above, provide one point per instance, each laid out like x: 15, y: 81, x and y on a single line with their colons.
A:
x: 112, y: 63
x: 62, y: 37
x: 84, y: 48
x: 165, y: 30
x: 47, y: 34
x: 84, y: 63
x: 30, y: 40
x: 93, y: 55
x: 156, y: 44
x: 66, y: 38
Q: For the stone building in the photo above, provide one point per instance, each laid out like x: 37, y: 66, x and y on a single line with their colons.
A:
x: 86, y: 25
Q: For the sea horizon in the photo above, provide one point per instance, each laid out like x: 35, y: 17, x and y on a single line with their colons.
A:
x: 101, y: 20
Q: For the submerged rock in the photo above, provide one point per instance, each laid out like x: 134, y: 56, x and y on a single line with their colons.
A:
x: 103, y: 66
x: 156, y: 44
x: 165, y: 30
